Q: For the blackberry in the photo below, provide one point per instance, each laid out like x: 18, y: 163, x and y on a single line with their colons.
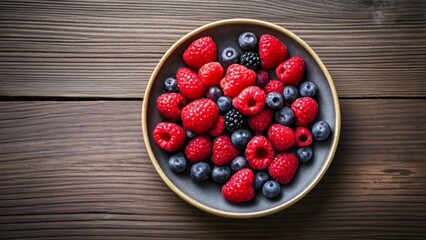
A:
x: 234, y: 120
x: 250, y: 60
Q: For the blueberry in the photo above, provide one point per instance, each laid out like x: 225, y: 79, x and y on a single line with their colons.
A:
x: 271, y: 189
x: 170, y: 85
x: 239, y: 163
x: 262, y: 78
x: 190, y: 134
x: 240, y: 138
x: 178, y: 162
x: 229, y: 56
x: 247, y: 41
x: 260, y: 178
x: 284, y: 116
x: 224, y: 103
x: 304, y: 154
x: 214, y: 93
x: 274, y: 100
x: 290, y: 93
x: 320, y: 130
x: 308, y: 89
x: 221, y: 174
x: 200, y: 171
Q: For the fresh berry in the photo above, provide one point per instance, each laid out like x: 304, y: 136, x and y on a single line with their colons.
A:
x: 190, y: 134
x: 321, y: 130
x: 302, y: 137
x: 291, y: 71
x: 259, y: 152
x: 236, y: 79
x: 247, y: 41
x: 284, y: 116
x: 224, y: 103
x: 260, y: 178
x: 211, y: 73
x: 260, y: 121
x: 305, y: 109
x: 281, y: 137
x: 274, y: 86
x: 238, y: 163
x: 240, y: 138
x: 271, y: 189
x: 170, y: 105
x: 274, y: 100
x: 308, y: 89
x: 214, y: 93
x: 199, y: 148
x: 229, y: 56
x: 200, y: 52
x: 178, y: 162
x: 170, y: 85
x: 223, y: 150
x: 221, y: 174
x: 250, y: 60
x: 190, y: 85
x: 233, y: 120
x: 290, y: 93
x: 239, y: 187
x: 271, y: 51
x: 198, y: 116
x: 304, y: 154
x: 200, y: 171
x: 169, y: 136
x: 283, y: 167
x: 262, y: 78
x: 250, y: 101
x: 218, y: 127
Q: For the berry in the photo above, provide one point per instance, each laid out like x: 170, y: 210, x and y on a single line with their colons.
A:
x: 200, y: 171
x: 233, y: 120
x: 271, y: 189
x: 262, y: 78
x: 284, y: 116
x: 199, y: 148
x: 169, y: 136
x: 260, y: 178
x: 178, y: 162
x: 291, y: 71
x: 190, y: 85
x: 238, y: 188
x: 321, y: 130
x: 271, y: 51
x: 190, y: 134
x: 170, y: 85
x: 236, y: 79
x: 224, y: 103
x: 304, y: 154
x: 247, y: 41
x: 200, y: 52
x: 260, y: 121
x: 198, y: 116
x: 274, y: 86
x: 238, y: 163
x: 281, y: 137
x: 305, y: 109
x: 218, y: 127
x: 229, y: 56
x: 308, y: 89
x: 221, y: 174
x: 170, y: 105
x: 250, y: 60
x: 214, y: 93
x: 274, y: 100
x: 250, y: 101
x: 223, y: 150
x: 259, y: 152
x: 302, y: 137
x: 240, y: 138
x: 290, y: 93
x: 283, y: 167
x: 211, y: 73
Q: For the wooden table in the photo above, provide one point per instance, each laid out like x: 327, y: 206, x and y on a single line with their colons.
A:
x: 72, y: 160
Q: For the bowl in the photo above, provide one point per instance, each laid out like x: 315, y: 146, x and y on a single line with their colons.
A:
x: 207, y: 195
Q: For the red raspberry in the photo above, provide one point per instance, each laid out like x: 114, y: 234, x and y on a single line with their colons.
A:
x: 211, y: 73
x: 281, y: 137
x: 239, y: 188
x: 169, y: 136
x: 291, y: 71
x: 199, y: 115
x: 200, y: 52
x: 170, y: 105
x: 223, y: 150
x: 199, y: 148
x: 250, y: 101
x: 189, y: 84
x: 283, y: 167
x: 302, y: 137
x: 271, y: 51
x: 259, y: 152
x: 274, y: 86
x: 236, y: 79
x: 260, y: 121
x: 305, y: 109
x: 218, y: 127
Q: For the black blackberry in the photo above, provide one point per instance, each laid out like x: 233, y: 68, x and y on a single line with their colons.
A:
x: 233, y: 120
x: 250, y: 60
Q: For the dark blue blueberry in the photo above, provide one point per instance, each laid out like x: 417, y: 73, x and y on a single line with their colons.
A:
x: 308, y: 89
x: 262, y: 78
x: 200, y: 171
x: 190, y: 134
x: 178, y: 162
x: 247, y: 41
x: 271, y: 189
x: 240, y: 138
x: 260, y: 178
x: 239, y: 163
x: 221, y: 174
x: 284, y: 116
x: 214, y: 93
x: 224, y: 103
x: 229, y: 56
x: 170, y: 85
x: 290, y: 93
x: 320, y: 131
x: 304, y: 154
x: 274, y: 100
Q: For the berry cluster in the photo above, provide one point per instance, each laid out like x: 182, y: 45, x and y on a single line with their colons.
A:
x: 243, y: 117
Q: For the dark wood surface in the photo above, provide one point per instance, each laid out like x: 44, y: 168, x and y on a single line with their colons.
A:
x: 72, y: 160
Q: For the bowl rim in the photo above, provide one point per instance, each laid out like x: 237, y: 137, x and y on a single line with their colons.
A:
x: 188, y: 198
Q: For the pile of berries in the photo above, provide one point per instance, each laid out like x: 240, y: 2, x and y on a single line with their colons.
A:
x: 242, y: 117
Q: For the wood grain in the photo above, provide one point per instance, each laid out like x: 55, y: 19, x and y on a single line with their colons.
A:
x: 80, y: 170
x: 95, y: 49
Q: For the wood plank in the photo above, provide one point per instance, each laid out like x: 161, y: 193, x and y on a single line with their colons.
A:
x: 80, y: 169
x: 94, y: 49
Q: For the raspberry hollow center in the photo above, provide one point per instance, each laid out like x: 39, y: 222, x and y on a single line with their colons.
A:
x: 260, y: 153
x: 303, y: 138
x: 165, y: 136
x: 251, y: 102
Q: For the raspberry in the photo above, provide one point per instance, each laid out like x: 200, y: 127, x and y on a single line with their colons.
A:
x: 223, y: 150
x: 271, y: 51
x: 260, y: 121
x: 274, y: 86
x: 199, y: 115
x: 170, y: 105
x: 281, y: 137
x: 283, y: 167
x: 199, y: 148
x: 302, y: 137
x: 200, y: 52
x: 291, y: 71
x: 259, y: 152
x: 169, y: 136
x: 250, y: 101
x: 239, y: 187
x: 305, y: 109
x: 218, y: 127
x: 250, y: 60
x: 236, y: 79
x: 189, y: 84
x: 233, y: 120
x: 211, y: 73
